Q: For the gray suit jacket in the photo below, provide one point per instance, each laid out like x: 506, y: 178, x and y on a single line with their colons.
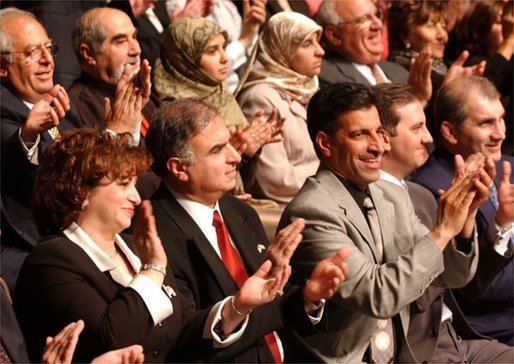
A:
x: 372, y: 290
x: 337, y: 69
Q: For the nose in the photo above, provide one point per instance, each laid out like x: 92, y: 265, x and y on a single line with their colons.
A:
x: 498, y: 133
x: 135, y: 48
x: 376, y: 22
x: 233, y: 156
x: 134, y: 195
x: 223, y: 56
x: 377, y: 143
x: 46, y: 55
x: 320, y: 52
x: 427, y: 137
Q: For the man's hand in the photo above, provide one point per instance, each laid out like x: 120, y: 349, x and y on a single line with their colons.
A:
x: 326, y: 278
x: 46, y: 113
x: 419, y: 75
x: 284, y: 244
x: 143, y: 82
x: 60, y: 349
x: 505, y: 214
x: 127, y: 355
x: 454, y: 204
x: 124, y: 115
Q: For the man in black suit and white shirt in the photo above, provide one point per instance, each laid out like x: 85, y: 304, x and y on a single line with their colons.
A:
x: 190, y: 145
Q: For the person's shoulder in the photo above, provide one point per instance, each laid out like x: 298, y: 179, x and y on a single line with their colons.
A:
x: 54, y: 248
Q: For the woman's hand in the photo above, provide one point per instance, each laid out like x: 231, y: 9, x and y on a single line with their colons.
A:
x: 60, y: 349
x: 259, y: 133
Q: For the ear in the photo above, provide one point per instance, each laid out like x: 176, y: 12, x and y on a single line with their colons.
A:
x: 448, y: 132
x: 177, y: 169
x: 84, y: 194
x: 323, y: 144
x: 332, y: 35
x: 3, y: 68
x: 87, y: 54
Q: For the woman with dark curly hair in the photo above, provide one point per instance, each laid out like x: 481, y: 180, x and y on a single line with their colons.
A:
x: 85, y: 196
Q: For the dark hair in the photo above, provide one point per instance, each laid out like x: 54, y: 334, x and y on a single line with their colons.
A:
x: 329, y: 102
x: 388, y: 97
x: 174, y: 125
x: 404, y: 15
x: 451, y: 100
x: 473, y: 30
x: 75, y: 162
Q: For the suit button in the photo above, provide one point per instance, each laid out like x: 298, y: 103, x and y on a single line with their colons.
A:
x: 435, y: 332
x: 155, y: 353
x: 425, y: 362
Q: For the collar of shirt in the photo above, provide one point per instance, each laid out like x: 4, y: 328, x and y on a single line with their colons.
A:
x: 356, y: 193
x: 30, y: 105
x: 390, y: 178
x: 77, y: 235
x: 366, y: 72
x: 203, y: 216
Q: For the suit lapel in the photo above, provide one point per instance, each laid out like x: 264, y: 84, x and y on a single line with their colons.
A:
x: 349, y: 208
x: 238, y: 228
x: 385, y: 212
x: 195, y: 236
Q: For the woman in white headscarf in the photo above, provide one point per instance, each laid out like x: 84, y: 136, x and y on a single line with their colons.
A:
x: 284, y: 77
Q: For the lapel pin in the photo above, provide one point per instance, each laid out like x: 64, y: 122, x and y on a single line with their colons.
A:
x: 169, y: 291
x: 261, y: 248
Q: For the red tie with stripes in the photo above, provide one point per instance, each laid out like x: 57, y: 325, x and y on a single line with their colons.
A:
x: 234, y: 265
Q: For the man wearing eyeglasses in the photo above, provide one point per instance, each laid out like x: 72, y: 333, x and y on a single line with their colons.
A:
x: 352, y: 36
x: 33, y: 112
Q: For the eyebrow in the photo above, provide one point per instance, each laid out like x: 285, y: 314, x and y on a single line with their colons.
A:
x: 217, y: 147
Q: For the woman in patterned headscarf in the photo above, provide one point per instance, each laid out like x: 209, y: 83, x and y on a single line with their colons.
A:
x: 284, y: 77
x: 193, y: 64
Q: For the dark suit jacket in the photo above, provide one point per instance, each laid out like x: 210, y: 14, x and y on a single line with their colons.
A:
x: 87, y: 94
x: 426, y: 311
x: 487, y: 299
x: 19, y: 232
x: 336, y: 69
x: 10, y: 332
x: 59, y: 283
x: 203, y: 278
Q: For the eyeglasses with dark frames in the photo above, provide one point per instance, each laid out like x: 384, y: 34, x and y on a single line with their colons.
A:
x: 364, y: 20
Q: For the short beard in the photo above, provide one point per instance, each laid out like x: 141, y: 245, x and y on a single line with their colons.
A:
x: 115, y: 78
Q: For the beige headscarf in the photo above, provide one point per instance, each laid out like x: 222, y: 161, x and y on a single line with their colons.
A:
x: 282, y: 36
x: 177, y: 72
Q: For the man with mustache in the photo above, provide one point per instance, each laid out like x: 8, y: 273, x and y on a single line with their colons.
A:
x: 34, y: 111
x: 113, y: 90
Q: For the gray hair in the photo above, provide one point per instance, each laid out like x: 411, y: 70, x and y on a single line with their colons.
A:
x: 327, y: 14
x: 172, y: 128
x: 88, y: 30
x: 5, y: 38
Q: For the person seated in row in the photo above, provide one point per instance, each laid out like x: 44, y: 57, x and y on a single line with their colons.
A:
x: 470, y: 118
x: 418, y: 29
x: 438, y: 330
x: 194, y: 63
x: 214, y: 241
x: 284, y: 77
x: 84, y: 196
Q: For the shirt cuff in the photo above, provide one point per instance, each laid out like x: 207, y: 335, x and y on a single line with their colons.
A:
x: 214, y: 320
x: 155, y: 299
x: 318, y: 314
x: 236, y: 53
x: 30, y: 148
x: 503, y: 237
x: 136, y: 133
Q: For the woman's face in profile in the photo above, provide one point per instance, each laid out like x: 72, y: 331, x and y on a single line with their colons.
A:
x: 495, y: 36
x: 307, y: 59
x: 109, y: 207
x: 214, y: 60
x: 432, y: 34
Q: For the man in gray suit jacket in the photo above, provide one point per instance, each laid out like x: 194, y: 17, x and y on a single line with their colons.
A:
x: 352, y: 39
x: 436, y: 320
x: 345, y: 127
